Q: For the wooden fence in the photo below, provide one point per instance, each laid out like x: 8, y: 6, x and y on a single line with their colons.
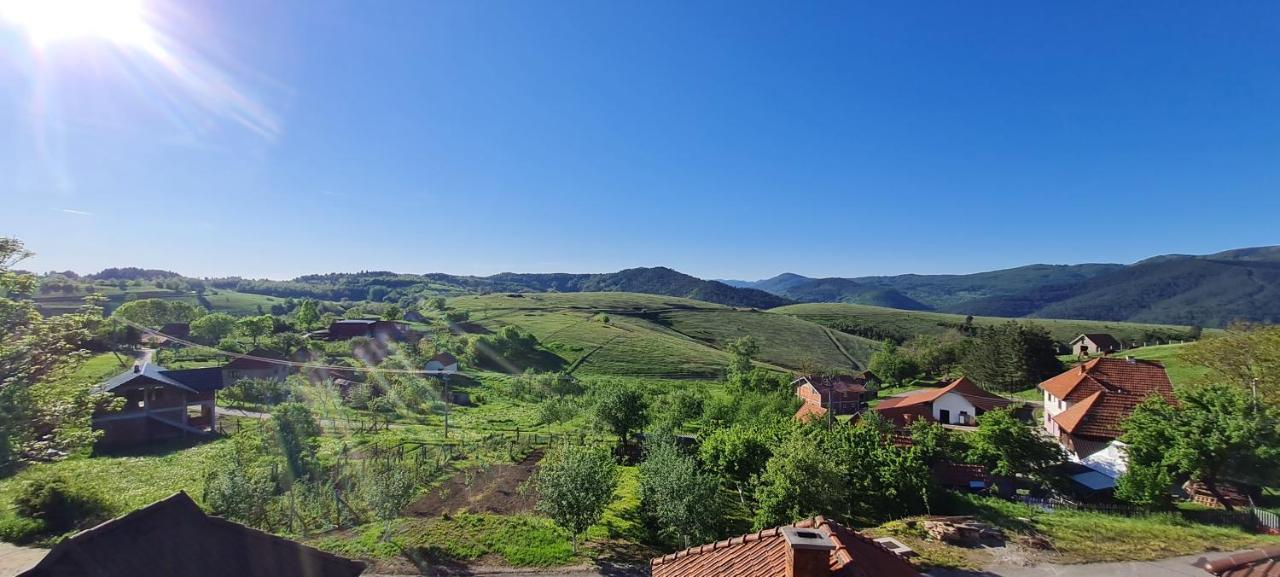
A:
x: 1249, y: 518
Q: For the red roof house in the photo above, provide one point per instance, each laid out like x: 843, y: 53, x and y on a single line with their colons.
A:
x: 958, y: 403
x: 846, y: 394
x: 1086, y: 405
x: 810, y: 548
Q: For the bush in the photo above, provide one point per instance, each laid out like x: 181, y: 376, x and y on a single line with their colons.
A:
x: 58, y: 505
x: 20, y: 530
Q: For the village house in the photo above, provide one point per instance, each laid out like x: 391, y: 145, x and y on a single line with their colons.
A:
x: 1094, y: 344
x: 1085, y: 406
x: 958, y: 403
x: 256, y: 364
x: 843, y: 394
x: 174, y: 537
x: 442, y: 364
x: 159, y: 404
x: 342, y: 330
x: 811, y: 548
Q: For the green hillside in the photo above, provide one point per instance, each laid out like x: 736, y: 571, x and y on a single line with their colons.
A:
x: 221, y: 300
x: 637, y: 334
x: 879, y: 323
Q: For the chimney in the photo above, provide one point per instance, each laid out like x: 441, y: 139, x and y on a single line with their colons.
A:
x: 137, y: 368
x: 1131, y: 359
x: 808, y: 552
x: 1081, y: 368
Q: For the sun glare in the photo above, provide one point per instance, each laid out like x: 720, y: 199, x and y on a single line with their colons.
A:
x: 48, y: 21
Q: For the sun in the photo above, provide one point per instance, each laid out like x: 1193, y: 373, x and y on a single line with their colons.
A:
x: 49, y: 21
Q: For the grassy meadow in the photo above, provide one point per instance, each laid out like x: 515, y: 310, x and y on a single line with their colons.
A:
x: 900, y: 324
x: 646, y: 335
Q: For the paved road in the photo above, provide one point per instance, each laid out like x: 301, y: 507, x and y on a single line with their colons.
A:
x: 1175, y: 567
x: 14, y: 560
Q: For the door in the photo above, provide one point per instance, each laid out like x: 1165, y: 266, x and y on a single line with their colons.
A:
x: 944, y: 416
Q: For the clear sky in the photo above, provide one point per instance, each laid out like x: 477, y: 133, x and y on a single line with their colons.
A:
x: 723, y: 139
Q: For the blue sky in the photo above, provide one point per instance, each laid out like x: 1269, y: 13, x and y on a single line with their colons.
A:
x: 723, y: 139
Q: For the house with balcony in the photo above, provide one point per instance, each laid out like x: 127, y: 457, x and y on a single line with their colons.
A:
x: 159, y: 404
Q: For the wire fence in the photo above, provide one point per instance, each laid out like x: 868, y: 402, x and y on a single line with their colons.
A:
x: 1248, y: 518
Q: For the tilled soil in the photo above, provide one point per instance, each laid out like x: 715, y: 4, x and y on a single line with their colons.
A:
x: 500, y: 490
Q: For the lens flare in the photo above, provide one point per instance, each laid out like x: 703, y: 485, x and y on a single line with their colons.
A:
x: 48, y: 21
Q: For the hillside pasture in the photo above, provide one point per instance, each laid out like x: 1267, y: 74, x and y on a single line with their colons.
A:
x: 646, y: 335
x: 218, y: 301
x: 900, y: 325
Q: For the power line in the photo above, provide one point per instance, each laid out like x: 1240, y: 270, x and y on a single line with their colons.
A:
x: 287, y: 363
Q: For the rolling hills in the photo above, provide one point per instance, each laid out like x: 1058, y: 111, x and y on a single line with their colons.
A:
x: 647, y: 335
x: 882, y: 323
x: 1208, y: 290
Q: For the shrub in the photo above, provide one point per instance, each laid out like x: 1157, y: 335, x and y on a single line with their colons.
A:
x: 20, y: 530
x: 57, y: 504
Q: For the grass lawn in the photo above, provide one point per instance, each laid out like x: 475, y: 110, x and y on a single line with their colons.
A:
x: 1084, y: 537
x: 1181, y: 372
x: 129, y: 481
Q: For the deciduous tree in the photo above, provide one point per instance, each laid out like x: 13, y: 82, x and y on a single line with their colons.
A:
x: 575, y: 483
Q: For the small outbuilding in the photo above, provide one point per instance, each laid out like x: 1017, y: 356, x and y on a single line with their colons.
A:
x: 1094, y: 344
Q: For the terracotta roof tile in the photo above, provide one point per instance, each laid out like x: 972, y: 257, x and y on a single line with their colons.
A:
x: 1256, y: 563
x: 764, y: 554
x: 1112, y: 387
x: 809, y: 411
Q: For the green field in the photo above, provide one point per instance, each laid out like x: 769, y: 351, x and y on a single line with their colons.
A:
x: 1180, y: 371
x: 217, y: 300
x: 902, y: 325
x: 645, y: 335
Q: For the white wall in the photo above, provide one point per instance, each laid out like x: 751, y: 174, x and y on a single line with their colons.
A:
x: 954, y: 403
x: 1053, y: 406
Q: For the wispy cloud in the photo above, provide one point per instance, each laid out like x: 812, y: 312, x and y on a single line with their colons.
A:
x: 75, y: 211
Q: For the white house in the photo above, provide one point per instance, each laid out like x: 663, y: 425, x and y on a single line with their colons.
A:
x: 958, y: 403
x: 443, y: 363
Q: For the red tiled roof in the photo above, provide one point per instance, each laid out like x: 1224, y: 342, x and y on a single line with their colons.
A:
x: 1256, y: 563
x: 809, y: 411
x: 898, y: 408
x: 1105, y: 391
x: 960, y: 474
x: 445, y: 359
x: 764, y: 554
x: 843, y: 387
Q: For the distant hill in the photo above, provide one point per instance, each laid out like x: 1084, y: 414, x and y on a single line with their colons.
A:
x: 388, y: 286
x: 1209, y: 290
x: 836, y: 290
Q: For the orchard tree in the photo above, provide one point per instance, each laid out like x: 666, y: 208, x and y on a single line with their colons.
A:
x: 741, y: 352
x: 800, y: 480
x: 36, y: 352
x: 737, y: 455
x: 891, y: 365
x: 1009, y: 447
x: 213, y: 327
x: 1215, y: 433
x: 308, y: 314
x: 297, y: 436
x: 158, y: 312
x: 683, y: 501
x: 387, y: 487
x: 1247, y: 357
x: 393, y: 313
x: 575, y: 483
x: 255, y: 327
x: 623, y: 410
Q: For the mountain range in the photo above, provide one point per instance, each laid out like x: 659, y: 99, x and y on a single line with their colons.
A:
x: 1210, y: 290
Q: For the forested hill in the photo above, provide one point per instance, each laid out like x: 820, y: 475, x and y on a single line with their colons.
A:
x: 388, y: 286
x: 1209, y: 290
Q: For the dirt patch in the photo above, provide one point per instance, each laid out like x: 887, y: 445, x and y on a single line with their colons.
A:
x: 500, y: 489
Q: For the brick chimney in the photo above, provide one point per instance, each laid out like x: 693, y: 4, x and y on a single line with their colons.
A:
x: 808, y: 552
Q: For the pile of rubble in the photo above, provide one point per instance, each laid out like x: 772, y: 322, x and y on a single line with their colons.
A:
x: 961, y: 530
